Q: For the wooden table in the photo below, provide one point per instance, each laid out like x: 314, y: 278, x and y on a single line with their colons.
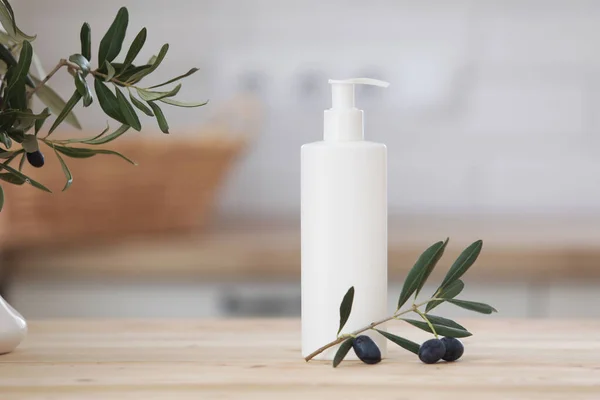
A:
x: 260, y: 359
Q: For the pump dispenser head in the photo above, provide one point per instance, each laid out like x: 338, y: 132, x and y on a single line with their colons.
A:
x: 343, y: 121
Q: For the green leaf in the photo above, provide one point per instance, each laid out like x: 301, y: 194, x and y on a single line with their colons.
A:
x: 128, y: 111
x: 434, y: 319
x: 440, y: 329
x: 346, y: 308
x: 79, y: 152
x: 400, y: 341
x: 462, y: 263
x: 6, y: 154
x: 12, y: 179
x: 108, y: 101
x: 152, y: 60
x: 56, y: 104
x: 342, y: 351
x: 125, y: 75
x: 153, y: 96
x: 160, y: 117
x: 182, y: 104
x: 11, y: 14
x: 5, y: 140
x: 66, y: 171
x: 86, y: 41
x: 8, y: 22
x: 108, y: 138
x: 40, y: 121
x: 190, y: 72
x: 473, y: 306
x: 420, y: 271
x: 68, y: 107
x: 82, y: 62
x: 141, y: 106
x: 16, y: 77
x: 135, y: 48
x: 111, y: 71
x: 13, y: 156
x: 16, y: 134
x: 449, y: 292
x: 22, y: 162
x: 161, y: 56
x: 111, y: 43
x: 83, y: 89
x: 27, y: 179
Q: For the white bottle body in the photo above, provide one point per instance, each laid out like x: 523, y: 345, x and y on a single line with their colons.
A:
x: 344, y: 239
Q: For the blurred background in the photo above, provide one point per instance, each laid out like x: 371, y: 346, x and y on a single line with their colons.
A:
x: 492, y: 124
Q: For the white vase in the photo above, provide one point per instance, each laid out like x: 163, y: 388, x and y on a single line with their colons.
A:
x: 13, y: 327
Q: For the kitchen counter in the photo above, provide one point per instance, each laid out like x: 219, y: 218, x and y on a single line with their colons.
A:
x: 260, y: 359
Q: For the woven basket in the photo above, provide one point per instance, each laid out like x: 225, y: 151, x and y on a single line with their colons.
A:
x: 172, y: 189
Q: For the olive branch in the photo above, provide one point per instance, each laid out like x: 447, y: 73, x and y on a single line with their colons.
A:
x: 447, y: 291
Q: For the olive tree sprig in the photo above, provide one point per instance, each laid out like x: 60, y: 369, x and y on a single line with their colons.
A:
x: 450, y: 287
x: 116, y: 83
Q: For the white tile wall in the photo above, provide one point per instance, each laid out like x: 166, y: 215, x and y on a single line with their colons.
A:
x: 493, y: 105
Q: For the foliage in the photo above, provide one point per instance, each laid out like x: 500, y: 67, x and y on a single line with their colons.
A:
x: 116, y: 84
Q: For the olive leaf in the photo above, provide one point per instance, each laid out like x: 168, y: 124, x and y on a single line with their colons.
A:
x: 24, y: 177
x: 22, y: 163
x: 160, y: 117
x: 52, y: 100
x: 128, y: 111
x: 400, y: 341
x: 462, y: 264
x: 111, y: 43
x: 420, y: 271
x: 16, y: 76
x: 40, y: 121
x: 66, y: 171
x: 434, y: 319
x: 342, y: 351
x: 5, y: 140
x: 68, y: 107
x: 440, y: 329
x: 161, y: 56
x: 135, y: 48
x: 80, y: 152
x: 83, y: 89
x: 190, y: 72
x: 110, y: 71
x: 81, y: 61
x: 182, y: 104
x: 12, y: 179
x: 141, y: 106
x: 108, y: 138
x: 449, y: 292
x: 473, y: 306
x: 346, y: 308
x: 86, y: 41
x: 108, y: 101
x: 148, y: 95
x: 7, y: 20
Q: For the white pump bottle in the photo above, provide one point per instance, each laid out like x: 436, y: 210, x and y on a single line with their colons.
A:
x: 344, y: 225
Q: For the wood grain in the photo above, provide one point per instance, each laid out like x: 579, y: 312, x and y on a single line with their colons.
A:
x: 260, y: 359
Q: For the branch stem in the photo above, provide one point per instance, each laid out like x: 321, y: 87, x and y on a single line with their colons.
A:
x: 416, y: 309
x: 372, y: 325
x: 72, y: 66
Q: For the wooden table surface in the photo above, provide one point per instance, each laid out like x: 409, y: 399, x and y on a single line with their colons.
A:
x: 260, y: 359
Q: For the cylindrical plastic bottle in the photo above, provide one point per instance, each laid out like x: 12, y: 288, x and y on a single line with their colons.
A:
x: 344, y: 225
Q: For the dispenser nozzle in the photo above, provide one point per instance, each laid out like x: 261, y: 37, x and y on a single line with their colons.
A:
x: 342, y: 91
